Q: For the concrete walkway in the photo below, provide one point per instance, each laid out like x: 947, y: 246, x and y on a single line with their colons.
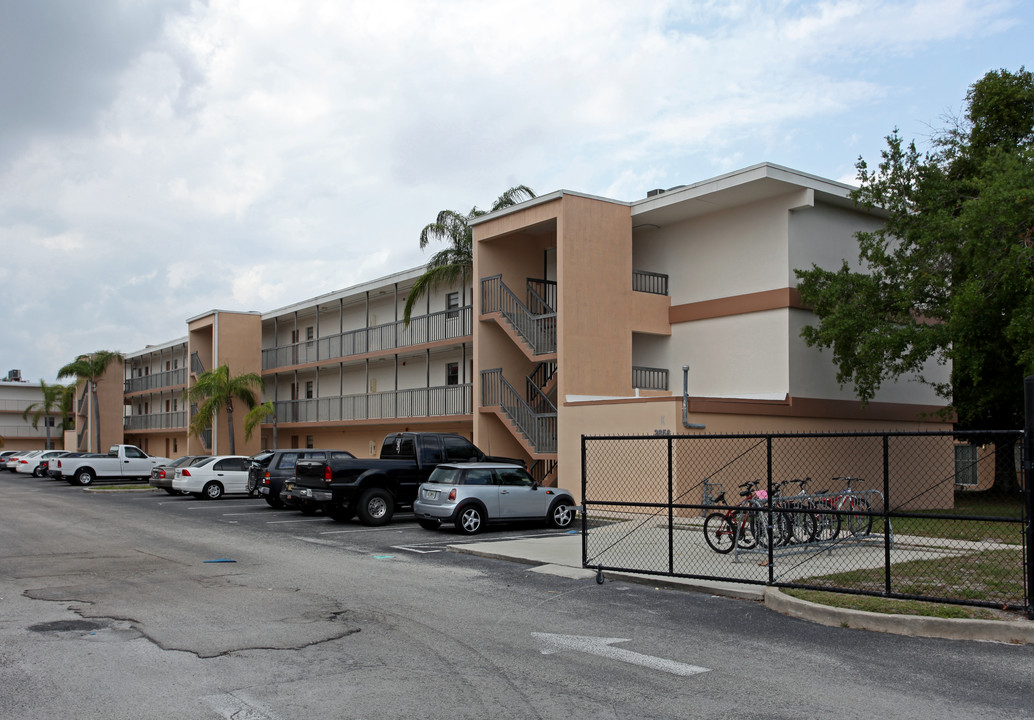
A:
x: 562, y: 555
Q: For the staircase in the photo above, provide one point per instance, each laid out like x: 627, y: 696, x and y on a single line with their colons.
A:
x: 530, y: 416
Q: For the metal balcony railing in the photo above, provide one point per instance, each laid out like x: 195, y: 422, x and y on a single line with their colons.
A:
x: 395, y: 404
x: 196, y: 366
x: 647, y: 378
x: 537, y: 329
x: 156, y: 421
x: 539, y: 428
x: 542, y: 296
x: 443, y: 325
x: 649, y: 282
x: 155, y: 381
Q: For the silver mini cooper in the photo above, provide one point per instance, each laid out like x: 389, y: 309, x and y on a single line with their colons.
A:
x: 473, y: 494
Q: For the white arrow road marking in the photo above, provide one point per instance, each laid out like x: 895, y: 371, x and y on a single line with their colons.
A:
x: 602, y: 647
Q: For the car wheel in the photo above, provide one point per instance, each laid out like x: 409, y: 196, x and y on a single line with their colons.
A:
x: 561, y: 515
x: 429, y: 524
x: 376, y: 507
x: 36, y: 472
x: 84, y: 477
x: 338, y: 513
x: 309, y: 508
x: 212, y: 491
x: 470, y: 520
x: 172, y: 492
x: 274, y: 502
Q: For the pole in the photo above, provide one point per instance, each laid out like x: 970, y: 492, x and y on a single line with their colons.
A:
x: 1028, y: 491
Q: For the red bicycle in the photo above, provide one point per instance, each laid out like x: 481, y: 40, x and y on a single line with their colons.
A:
x: 737, y: 526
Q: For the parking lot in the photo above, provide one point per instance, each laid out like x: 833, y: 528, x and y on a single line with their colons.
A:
x: 402, y: 535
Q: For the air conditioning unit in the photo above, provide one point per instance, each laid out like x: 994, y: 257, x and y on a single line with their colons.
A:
x: 14, y: 375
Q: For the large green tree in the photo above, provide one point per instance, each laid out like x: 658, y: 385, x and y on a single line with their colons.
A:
x: 455, y: 263
x: 49, y: 405
x: 950, y: 276
x: 90, y: 369
x: 216, y: 390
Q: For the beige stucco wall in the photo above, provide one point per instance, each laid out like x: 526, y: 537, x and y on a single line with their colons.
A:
x: 647, y: 473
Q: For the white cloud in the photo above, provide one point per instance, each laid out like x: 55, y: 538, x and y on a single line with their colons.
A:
x: 247, y: 155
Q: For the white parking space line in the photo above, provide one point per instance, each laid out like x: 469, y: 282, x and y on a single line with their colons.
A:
x: 218, y: 507
x: 299, y: 520
x: 361, y: 530
x: 417, y: 550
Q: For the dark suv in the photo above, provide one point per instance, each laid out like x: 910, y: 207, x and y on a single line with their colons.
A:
x: 270, y: 468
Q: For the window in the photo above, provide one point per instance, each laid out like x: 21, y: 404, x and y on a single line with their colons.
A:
x: 288, y: 461
x: 966, y: 465
x: 132, y: 452
x: 452, y: 304
x: 310, y: 441
x: 515, y: 476
x: 308, y: 391
x: 431, y: 453
x: 398, y: 446
x: 459, y: 449
x: 310, y: 333
x: 452, y: 374
x: 478, y: 477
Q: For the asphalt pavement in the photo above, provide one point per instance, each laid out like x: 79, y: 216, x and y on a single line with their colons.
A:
x: 562, y: 555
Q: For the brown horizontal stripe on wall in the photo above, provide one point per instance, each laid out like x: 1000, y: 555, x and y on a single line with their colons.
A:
x: 737, y: 305
x: 797, y: 407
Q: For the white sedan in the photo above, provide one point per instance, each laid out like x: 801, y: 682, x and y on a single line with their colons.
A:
x: 30, y: 464
x: 213, y: 477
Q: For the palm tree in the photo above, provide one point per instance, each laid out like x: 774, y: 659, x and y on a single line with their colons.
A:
x: 52, y: 397
x: 255, y: 417
x: 90, y: 369
x: 455, y: 262
x: 217, y: 389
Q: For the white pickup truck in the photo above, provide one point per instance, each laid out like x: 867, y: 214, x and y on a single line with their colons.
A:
x: 121, y: 462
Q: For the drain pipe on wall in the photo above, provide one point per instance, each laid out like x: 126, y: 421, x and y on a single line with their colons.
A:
x: 685, y: 402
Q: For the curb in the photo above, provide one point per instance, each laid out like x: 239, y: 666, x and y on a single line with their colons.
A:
x: 1003, y: 631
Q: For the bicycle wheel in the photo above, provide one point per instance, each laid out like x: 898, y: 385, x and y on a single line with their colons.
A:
x: 745, y: 537
x: 859, y: 525
x: 759, y: 526
x: 719, y: 532
x: 803, y: 524
x: 827, y: 525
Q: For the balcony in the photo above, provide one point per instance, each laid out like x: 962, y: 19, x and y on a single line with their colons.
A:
x: 649, y: 282
x: 646, y: 378
x: 157, y: 381
x: 445, y: 325
x: 439, y: 401
x: 156, y: 421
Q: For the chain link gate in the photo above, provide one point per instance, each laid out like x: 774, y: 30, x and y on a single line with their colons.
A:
x: 921, y: 515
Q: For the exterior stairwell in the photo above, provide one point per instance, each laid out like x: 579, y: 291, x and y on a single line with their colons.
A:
x: 531, y: 325
x: 532, y: 416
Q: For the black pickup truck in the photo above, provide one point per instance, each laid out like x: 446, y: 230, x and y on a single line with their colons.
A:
x: 374, y: 488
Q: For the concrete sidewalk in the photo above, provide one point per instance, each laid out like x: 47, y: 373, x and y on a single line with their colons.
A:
x: 562, y: 555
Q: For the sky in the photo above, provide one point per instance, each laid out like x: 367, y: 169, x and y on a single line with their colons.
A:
x: 159, y: 159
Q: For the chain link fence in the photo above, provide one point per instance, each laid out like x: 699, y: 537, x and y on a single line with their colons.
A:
x: 938, y: 516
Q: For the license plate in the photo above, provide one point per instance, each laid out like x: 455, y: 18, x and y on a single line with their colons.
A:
x: 305, y: 492
x: 431, y: 494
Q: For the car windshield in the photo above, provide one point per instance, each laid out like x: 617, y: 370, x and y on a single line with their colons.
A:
x: 445, y: 476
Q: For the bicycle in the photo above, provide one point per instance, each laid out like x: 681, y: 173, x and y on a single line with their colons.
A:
x: 735, y: 526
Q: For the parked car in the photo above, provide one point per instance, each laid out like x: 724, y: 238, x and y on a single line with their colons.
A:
x: 54, y: 468
x: 373, y: 488
x: 162, y: 475
x: 470, y: 495
x: 269, y: 469
x: 123, y: 462
x: 214, y: 476
x: 37, y: 463
x: 4, y: 454
x: 11, y: 459
x: 22, y: 459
